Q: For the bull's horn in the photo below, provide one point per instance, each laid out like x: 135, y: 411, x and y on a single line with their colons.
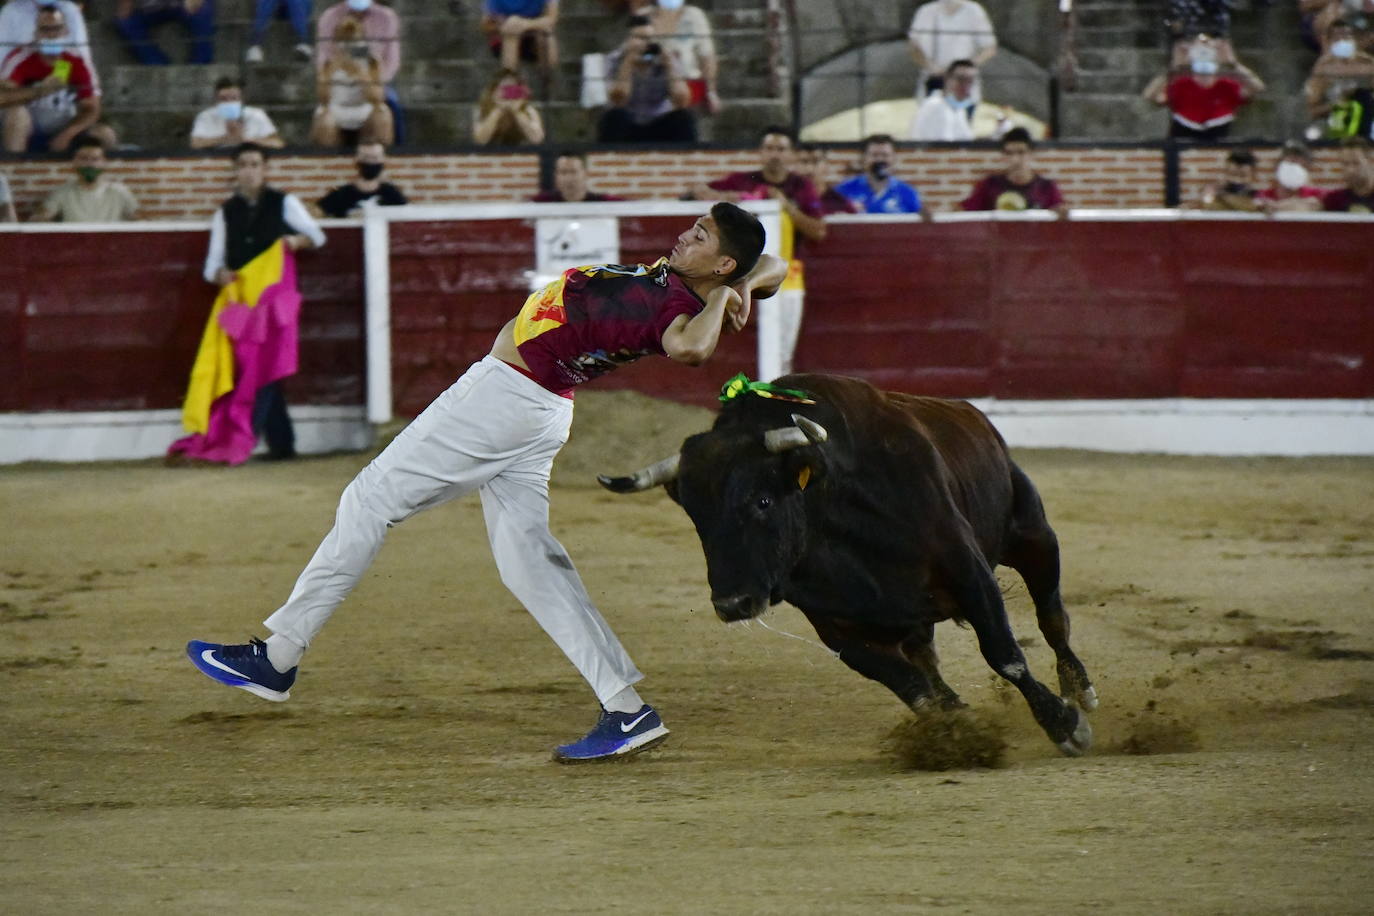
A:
x: 805, y: 432
x: 655, y: 474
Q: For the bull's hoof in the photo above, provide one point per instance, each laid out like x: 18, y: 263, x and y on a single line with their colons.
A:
x: 1087, y: 698
x: 1081, y: 740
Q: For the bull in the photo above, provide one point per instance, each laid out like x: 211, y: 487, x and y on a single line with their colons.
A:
x: 877, y: 515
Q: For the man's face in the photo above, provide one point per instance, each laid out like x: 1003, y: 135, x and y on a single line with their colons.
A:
x: 370, y: 154
x: 960, y: 83
x: 570, y: 177
x: 250, y: 171
x: 229, y: 94
x: 1239, y: 173
x: 775, y: 152
x: 807, y: 163
x: 879, y: 153
x: 50, y: 25
x: 697, y: 252
x: 1356, y: 167
x: 1016, y: 155
x: 89, y: 157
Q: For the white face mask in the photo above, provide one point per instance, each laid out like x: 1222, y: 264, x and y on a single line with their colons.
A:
x: 670, y: 5
x: 1205, y: 67
x: 1345, y: 48
x: 359, y: 6
x: 1291, y: 175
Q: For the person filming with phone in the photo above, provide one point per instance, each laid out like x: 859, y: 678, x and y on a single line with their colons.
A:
x: 48, y: 94
x: 504, y: 115
x: 651, y: 100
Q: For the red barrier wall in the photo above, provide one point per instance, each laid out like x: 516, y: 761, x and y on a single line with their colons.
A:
x: 1235, y: 309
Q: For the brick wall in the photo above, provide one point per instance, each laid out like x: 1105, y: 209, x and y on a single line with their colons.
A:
x: 189, y: 188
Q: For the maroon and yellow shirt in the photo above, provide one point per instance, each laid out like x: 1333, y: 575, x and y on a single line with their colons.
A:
x: 594, y: 319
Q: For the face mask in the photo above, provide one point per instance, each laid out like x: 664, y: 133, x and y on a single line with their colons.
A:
x: 960, y: 104
x: 670, y: 4
x: 1291, y: 175
x: 359, y: 6
x: 880, y: 171
x: 1344, y: 48
x: 51, y: 48
x: 230, y: 111
x: 1205, y: 67
x: 369, y: 170
x: 89, y: 173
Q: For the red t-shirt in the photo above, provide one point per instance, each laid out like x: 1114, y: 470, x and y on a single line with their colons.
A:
x: 1304, y: 191
x: 1202, y: 107
x: 1344, y: 200
x: 26, y: 67
x: 753, y: 186
x: 996, y: 192
x: 594, y: 319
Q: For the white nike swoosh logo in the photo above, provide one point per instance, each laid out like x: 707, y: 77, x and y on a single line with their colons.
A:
x: 630, y: 726
x: 209, y: 657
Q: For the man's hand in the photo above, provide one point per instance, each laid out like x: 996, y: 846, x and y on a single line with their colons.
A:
x: 514, y: 26
x: 224, y: 276
x: 297, y: 242
x: 737, y: 308
x: 60, y: 141
x: 50, y: 84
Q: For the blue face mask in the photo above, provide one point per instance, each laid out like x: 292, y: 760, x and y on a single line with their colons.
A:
x: 230, y: 111
x: 961, y: 104
x: 359, y: 6
x: 51, y: 48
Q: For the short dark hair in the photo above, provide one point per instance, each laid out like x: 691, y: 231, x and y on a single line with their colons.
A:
x: 228, y: 82
x: 741, y: 237
x: 85, y: 141
x: 639, y: 19
x: 875, y: 139
x: 248, y: 147
x: 961, y: 62
x: 1241, y: 157
x: 571, y: 154
x: 1017, y: 135
x: 780, y: 130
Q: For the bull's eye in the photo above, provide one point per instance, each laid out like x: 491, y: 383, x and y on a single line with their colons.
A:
x: 763, y: 503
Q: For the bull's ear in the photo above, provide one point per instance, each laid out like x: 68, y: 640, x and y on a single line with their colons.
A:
x: 804, y: 468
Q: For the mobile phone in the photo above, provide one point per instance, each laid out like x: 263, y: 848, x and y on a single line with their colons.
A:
x: 62, y: 69
x: 514, y: 91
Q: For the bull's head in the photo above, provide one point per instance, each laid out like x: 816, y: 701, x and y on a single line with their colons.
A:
x: 743, y: 493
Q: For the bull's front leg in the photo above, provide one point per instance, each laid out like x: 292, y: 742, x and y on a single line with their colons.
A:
x: 969, y: 581
x: 875, y: 658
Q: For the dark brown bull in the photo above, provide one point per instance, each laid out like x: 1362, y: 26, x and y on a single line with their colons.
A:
x: 877, y: 515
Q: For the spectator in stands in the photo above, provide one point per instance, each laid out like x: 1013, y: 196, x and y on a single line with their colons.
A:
x: 947, y: 114
x: 1357, y: 196
x: 684, y: 31
x: 133, y: 19
x: 522, y: 30
x: 801, y: 210
x: 352, y: 103
x: 504, y: 115
x: 90, y: 197
x: 368, y: 189
x: 7, y: 214
x: 876, y: 191
x: 299, y: 13
x: 1017, y: 186
x: 245, y: 226
x: 570, y: 182
x: 229, y: 122
x: 1237, y: 189
x: 381, y: 29
x: 1344, y: 69
x: 1290, y: 191
x: 649, y: 97
x: 944, y: 31
x: 1203, y: 100
x: 19, y: 23
x: 810, y: 163
x: 48, y: 94
x: 1358, y: 13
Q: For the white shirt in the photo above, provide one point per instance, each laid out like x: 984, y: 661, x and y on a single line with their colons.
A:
x: 945, y: 36
x: 936, y: 119
x: 211, y: 124
x: 691, y: 41
x: 298, y: 219
x: 18, y: 19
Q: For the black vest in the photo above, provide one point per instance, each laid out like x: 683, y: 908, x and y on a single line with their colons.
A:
x: 251, y: 229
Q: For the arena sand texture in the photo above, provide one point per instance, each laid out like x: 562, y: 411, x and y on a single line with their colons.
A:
x: 1222, y: 606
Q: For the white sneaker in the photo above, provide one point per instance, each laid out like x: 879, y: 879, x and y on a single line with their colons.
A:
x: 304, y: 51
x: 254, y: 55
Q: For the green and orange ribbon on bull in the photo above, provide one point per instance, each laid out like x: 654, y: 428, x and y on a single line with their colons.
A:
x: 740, y: 384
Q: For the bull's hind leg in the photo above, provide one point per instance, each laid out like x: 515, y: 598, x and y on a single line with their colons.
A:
x: 970, y: 582
x: 1033, y: 551
x: 920, y: 649
x: 876, y: 659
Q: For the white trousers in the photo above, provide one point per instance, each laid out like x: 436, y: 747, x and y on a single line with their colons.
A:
x: 495, y: 431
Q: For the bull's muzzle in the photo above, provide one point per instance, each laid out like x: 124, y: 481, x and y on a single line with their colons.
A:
x: 738, y: 607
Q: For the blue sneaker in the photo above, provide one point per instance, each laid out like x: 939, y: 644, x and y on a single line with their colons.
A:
x: 242, y: 666
x: 616, y: 734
